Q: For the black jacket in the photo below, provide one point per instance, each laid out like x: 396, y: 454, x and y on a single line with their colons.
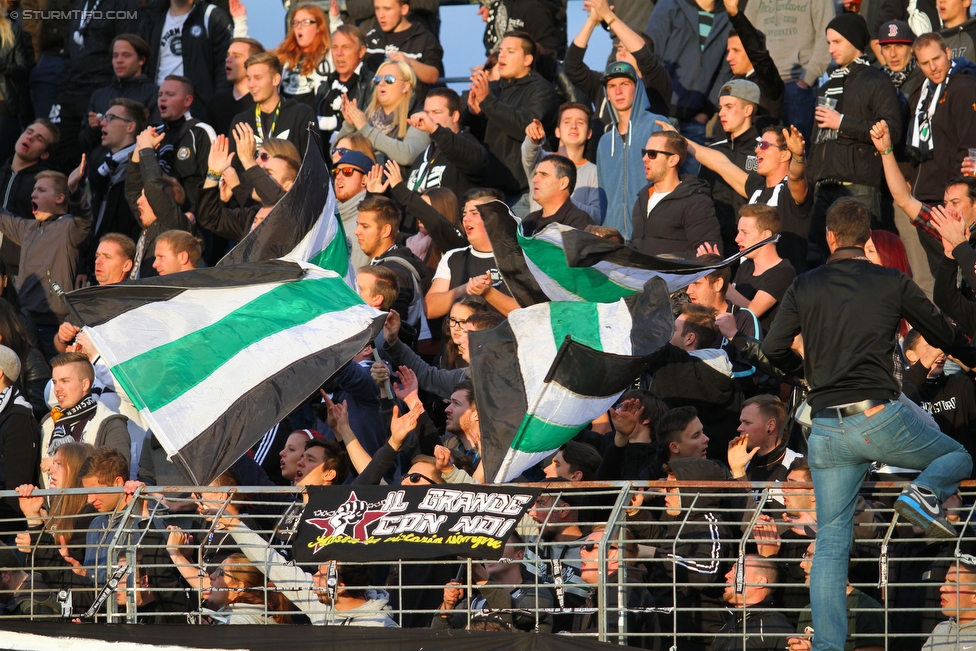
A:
x: 510, y: 107
x: 20, y: 456
x: 206, y: 36
x: 766, y: 629
x: 184, y: 153
x: 868, y: 96
x: 765, y: 74
x: 235, y: 223
x: 111, y: 211
x: 328, y: 99
x: 292, y: 125
x: 849, y: 311
x: 444, y: 234
x: 567, y: 214
x: 16, y: 60
x: 17, y: 188
x: 146, y: 174
x: 34, y: 376
x: 946, y: 294
x: 679, y: 223
x: 656, y: 80
x: 951, y: 399
x: 953, y: 131
x: 681, y: 379
x: 88, y: 65
x: 700, y: 550
x: 139, y: 88
x: 414, y: 281
x: 456, y: 161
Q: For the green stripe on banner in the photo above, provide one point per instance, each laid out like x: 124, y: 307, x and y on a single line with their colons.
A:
x: 165, y: 373
x: 581, y: 320
x: 334, y: 257
x: 537, y: 435
x: 586, y: 282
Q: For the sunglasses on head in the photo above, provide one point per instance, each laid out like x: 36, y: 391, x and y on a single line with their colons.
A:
x: 415, y: 477
x: 345, y: 171
x: 654, y: 153
x: 390, y: 79
x: 765, y: 144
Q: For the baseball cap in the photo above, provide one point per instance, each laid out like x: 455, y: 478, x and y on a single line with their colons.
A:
x: 896, y: 31
x: 356, y: 159
x: 619, y: 69
x: 742, y: 89
x: 9, y: 364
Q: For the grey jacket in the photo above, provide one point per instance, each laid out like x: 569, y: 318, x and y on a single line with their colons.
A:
x: 438, y: 381
x: 48, y: 248
x: 950, y: 635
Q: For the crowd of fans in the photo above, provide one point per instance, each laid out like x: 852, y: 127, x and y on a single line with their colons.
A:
x: 146, y: 139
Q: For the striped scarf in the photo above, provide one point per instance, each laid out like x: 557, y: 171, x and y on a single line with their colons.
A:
x: 833, y: 96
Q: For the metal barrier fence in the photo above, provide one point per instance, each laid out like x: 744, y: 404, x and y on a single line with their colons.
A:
x: 665, y: 576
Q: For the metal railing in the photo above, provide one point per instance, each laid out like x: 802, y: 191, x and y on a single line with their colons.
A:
x: 665, y: 576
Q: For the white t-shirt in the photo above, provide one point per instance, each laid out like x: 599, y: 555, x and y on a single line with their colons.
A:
x: 655, y: 199
x: 171, y: 47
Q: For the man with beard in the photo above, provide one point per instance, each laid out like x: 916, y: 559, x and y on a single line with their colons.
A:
x: 350, y: 189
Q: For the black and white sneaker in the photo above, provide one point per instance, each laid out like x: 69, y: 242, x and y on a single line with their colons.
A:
x: 921, y: 507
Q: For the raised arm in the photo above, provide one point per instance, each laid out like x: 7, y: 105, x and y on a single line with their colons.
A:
x: 897, y: 185
x: 715, y: 161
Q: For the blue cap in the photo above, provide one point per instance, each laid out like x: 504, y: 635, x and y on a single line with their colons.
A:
x: 619, y: 69
x: 356, y: 159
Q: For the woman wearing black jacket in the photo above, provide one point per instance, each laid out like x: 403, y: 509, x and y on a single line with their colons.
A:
x: 16, y: 59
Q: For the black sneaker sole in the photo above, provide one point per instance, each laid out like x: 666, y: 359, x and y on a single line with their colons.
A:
x: 932, y: 528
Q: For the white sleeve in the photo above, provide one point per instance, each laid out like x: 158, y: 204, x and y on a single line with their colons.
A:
x: 443, y: 270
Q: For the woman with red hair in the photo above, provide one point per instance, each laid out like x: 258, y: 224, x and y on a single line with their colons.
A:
x: 886, y: 249
x: 306, y: 53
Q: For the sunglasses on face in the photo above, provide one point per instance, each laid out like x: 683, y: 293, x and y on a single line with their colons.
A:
x: 346, y: 171
x: 342, y: 151
x: 389, y: 79
x: 415, y: 477
x: 654, y: 153
x: 263, y: 156
x: 765, y: 144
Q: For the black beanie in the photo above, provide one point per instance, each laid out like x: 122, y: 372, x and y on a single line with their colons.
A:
x: 853, y: 28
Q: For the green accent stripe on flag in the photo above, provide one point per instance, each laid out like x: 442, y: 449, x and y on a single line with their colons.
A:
x: 586, y: 282
x: 538, y: 435
x: 335, y: 256
x: 163, y: 374
x: 580, y: 320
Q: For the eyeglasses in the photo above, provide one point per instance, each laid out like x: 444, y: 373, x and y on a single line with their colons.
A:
x: 345, y: 171
x: 765, y: 144
x: 263, y: 156
x: 390, y: 79
x: 111, y: 117
x: 456, y: 323
x: 342, y: 151
x: 654, y: 153
x: 415, y: 477
x: 308, y: 22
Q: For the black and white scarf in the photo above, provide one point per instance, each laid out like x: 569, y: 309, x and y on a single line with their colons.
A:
x: 899, y: 78
x: 69, y: 424
x: 920, y: 145
x: 834, y: 90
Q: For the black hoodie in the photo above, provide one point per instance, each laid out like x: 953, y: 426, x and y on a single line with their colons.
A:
x: 699, y: 554
x: 17, y: 188
x: 456, y: 161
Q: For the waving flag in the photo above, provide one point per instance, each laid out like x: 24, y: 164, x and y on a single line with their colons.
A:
x: 561, y: 263
x: 550, y: 369
x: 304, y: 225
x: 213, y: 358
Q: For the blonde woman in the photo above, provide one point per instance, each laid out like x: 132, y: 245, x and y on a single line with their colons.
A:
x: 384, y: 122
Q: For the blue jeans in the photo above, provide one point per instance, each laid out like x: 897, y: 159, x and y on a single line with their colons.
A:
x: 840, y: 451
x: 693, y: 130
x: 799, y: 105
